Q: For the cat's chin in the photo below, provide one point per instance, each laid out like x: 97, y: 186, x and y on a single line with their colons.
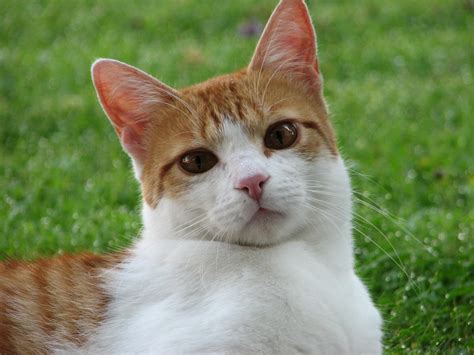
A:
x: 265, y: 228
x: 265, y: 215
x: 263, y: 222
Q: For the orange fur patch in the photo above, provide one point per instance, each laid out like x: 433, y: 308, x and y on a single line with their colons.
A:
x: 253, y: 100
x: 58, y: 299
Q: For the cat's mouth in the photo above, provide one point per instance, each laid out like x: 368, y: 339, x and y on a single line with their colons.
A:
x: 264, y: 215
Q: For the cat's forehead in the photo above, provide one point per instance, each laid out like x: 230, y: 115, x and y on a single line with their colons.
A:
x: 200, y: 117
x: 225, y: 97
x: 250, y: 101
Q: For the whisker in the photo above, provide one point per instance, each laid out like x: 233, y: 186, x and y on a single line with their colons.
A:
x: 393, y: 219
x: 399, y: 263
x: 373, y: 206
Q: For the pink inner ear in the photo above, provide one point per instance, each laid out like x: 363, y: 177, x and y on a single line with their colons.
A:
x: 288, y: 42
x: 129, y: 97
x: 118, y: 87
x: 132, y: 143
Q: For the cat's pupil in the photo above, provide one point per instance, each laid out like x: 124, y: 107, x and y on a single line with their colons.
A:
x: 279, y: 136
x: 198, y: 162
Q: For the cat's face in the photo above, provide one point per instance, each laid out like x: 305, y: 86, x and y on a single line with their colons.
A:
x: 235, y: 158
x: 258, y: 153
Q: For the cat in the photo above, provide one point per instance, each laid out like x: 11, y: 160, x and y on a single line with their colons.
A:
x: 246, y: 244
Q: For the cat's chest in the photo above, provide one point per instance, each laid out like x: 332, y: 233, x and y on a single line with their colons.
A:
x: 259, y: 301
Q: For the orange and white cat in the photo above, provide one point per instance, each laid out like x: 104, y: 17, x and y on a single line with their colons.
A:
x: 246, y: 244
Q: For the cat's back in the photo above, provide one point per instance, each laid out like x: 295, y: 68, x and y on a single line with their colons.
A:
x: 50, y: 301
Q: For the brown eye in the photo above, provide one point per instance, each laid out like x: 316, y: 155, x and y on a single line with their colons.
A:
x: 281, y: 135
x: 198, y: 161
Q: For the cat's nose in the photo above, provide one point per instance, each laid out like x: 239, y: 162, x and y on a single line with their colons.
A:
x: 253, y: 185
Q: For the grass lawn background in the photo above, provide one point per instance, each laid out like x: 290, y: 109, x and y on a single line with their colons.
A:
x: 399, y: 81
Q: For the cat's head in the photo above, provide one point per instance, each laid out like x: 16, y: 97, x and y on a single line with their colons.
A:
x: 241, y: 157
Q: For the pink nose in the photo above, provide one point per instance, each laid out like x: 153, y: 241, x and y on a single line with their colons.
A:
x: 253, y: 185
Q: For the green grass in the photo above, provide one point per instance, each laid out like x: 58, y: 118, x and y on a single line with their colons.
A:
x: 399, y: 80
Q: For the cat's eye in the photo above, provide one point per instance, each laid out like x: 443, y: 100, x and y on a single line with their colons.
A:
x: 281, y: 135
x: 198, y: 161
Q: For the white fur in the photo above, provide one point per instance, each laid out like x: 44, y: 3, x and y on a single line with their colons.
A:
x: 202, y: 279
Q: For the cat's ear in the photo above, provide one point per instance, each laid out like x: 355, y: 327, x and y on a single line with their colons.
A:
x: 130, y: 98
x: 288, y: 44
